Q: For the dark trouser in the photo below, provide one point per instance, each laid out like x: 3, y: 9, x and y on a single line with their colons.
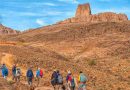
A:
x: 59, y: 86
x: 29, y: 80
x: 53, y: 82
x: 14, y: 77
x: 55, y: 86
x: 72, y: 87
x: 63, y: 87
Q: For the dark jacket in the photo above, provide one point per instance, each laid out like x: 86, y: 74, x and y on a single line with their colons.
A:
x: 54, y: 78
x: 30, y: 73
x: 54, y: 75
x: 14, y: 70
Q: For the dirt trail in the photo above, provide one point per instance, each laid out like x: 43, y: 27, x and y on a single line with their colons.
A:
x: 8, y: 59
x: 4, y: 85
x: 24, y: 86
x: 40, y: 87
x: 44, y: 88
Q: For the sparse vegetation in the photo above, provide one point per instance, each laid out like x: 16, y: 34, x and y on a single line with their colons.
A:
x: 92, y: 62
x: 21, y: 43
x: 10, y: 81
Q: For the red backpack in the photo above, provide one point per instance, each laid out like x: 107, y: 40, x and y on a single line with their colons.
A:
x: 70, y: 78
x: 41, y: 73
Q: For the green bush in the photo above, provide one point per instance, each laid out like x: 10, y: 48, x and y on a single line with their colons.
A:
x: 92, y: 62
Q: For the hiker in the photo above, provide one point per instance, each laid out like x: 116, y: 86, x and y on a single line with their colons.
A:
x: 30, y: 76
x: 18, y: 74
x: 54, y: 79
x: 39, y: 75
x: 67, y: 80
x: 14, y: 72
x: 71, y: 81
x: 60, y: 80
x: 4, y: 71
x: 82, y: 81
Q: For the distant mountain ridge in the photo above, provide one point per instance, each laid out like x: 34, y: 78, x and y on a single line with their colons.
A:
x: 6, y: 31
x: 83, y: 14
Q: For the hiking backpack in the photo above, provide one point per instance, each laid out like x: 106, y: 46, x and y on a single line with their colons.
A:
x: 30, y: 73
x: 14, y: 69
x: 41, y: 73
x: 60, y: 79
x: 54, y: 78
x: 18, y: 72
x: 72, y: 82
x: 83, y: 78
x: 6, y: 72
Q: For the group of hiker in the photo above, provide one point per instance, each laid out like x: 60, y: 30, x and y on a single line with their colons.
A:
x: 57, y: 79
x: 29, y: 74
x: 71, y: 83
x: 16, y: 74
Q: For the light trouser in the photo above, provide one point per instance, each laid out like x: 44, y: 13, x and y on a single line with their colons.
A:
x: 82, y: 86
x: 68, y: 86
x: 38, y: 80
x: 5, y: 77
x: 18, y: 78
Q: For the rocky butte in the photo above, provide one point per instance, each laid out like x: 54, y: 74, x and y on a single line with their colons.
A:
x: 83, y: 14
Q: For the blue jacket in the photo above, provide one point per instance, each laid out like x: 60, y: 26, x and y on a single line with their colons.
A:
x: 30, y: 73
x: 37, y: 73
x: 4, y: 71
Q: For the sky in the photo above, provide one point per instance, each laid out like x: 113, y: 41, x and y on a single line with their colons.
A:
x: 28, y: 14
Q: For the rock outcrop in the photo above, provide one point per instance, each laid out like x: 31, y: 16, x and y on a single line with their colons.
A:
x: 83, y: 14
x: 83, y: 10
x: 5, y: 30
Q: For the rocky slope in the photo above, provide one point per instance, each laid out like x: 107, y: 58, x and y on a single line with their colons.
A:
x: 83, y: 14
x: 101, y: 50
x: 4, y: 85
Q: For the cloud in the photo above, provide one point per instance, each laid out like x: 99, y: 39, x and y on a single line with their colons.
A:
x: 111, y: 0
x: 69, y: 1
x: 54, y: 13
x: 29, y: 14
x: 104, y: 0
x: 40, y: 22
x: 49, y: 4
x: 23, y: 14
x: 121, y: 10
